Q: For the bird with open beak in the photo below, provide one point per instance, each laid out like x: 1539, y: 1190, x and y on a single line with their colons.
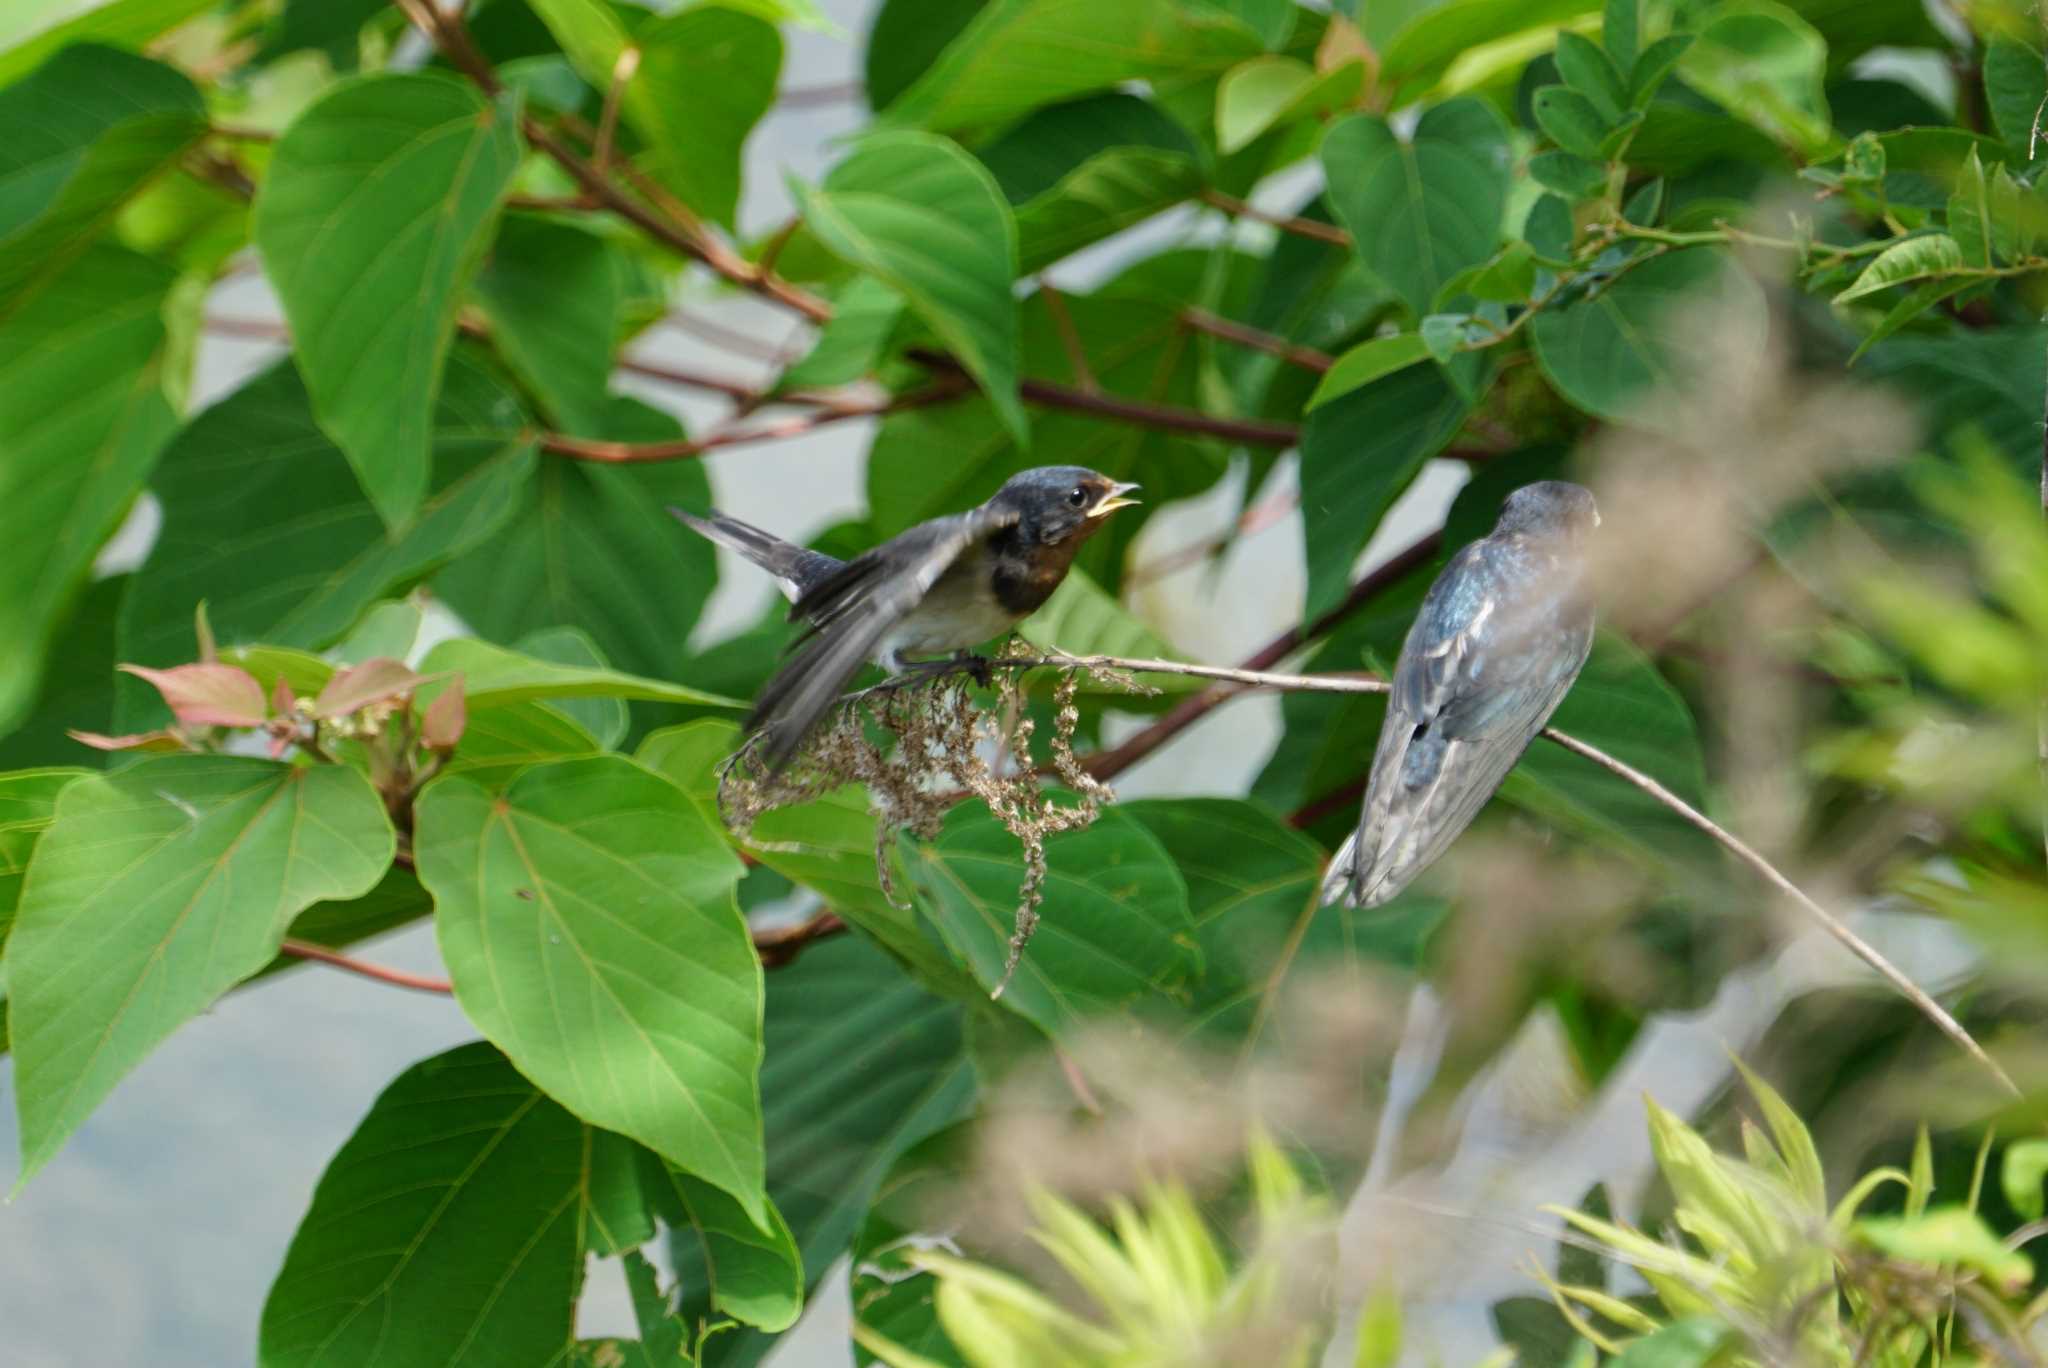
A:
x: 922, y: 598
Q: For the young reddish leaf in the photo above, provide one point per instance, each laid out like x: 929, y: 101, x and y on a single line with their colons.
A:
x: 211, y: 695
x: 165, y: 740
x: 281, y: 700
x: 359, y: 686
x: 445, y: 718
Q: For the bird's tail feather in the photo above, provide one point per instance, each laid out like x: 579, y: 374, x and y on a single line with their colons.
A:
x: 795, y: 568
x: 1340, y: 880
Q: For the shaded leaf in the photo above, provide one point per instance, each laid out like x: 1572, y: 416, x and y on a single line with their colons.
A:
x: 756, y: 1275
x: 604, y: 718
x: 156, y: 889
x: 587, y: 920
x: 1766, y: 66
x: 554, y: 296
x: 372, y: 218
x: 28, y: 803
x: 1427, y: 45
x: 863, y: 316
x: 495, y: 678
x: 2014, y: 87
x: 707, y: 75
x: 32, y: 33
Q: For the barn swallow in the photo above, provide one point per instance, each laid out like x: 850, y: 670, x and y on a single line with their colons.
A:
x: 1499, y: 639
x: 935, y: 590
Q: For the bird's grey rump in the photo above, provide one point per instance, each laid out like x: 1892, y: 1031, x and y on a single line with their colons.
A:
x: 1499, y: 639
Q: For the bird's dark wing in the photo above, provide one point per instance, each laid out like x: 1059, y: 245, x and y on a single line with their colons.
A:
x: 850, y: 611
x: 1497, y: 643
x: 795, y: 568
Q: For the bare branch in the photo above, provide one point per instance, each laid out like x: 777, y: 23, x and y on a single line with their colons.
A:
x: 1301, y: 227
x: 421, y: 983
x: 1308, y: 358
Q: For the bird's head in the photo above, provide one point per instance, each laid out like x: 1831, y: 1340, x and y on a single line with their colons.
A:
x: 1552, y: 509
x: 1062, y: 503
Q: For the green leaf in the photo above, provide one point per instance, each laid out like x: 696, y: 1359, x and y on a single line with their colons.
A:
x: 28, y: 804
x: 1361, y: 450
x: 30, y: 33
x: 921, y: 215
x: 498, y: 743
x: 606, y: 719
x: 1692, y: 1343
x: 1981, y: 240
x: 2020, y: 1172
x: 1104, y: 195
x: 756, y: 1275
x: 396, y: 901
x: 1607, y: 351
x: 1571, y: 176
x: 1622, y: 705
x: 1420, y: 212
x: 373, y: 217
x: 1367, y: 362
x: 863, y: 316
x: 707, y: 75
x: 861, y: 1064
x: 78, y: 685
x: 1569, y: 119
x: 590, y: 33
x: 264, y: 520
x: 2014, y: 87
x: 156, y: 889
x: 446, y: 1229
x: 1621, y: 32
x: 587, y: 919
x: 1018, y: 55
x: 1766, y: 66
x: 1949, y: 1235
x: 1658, y: 61
x: 82, y: 418
x: 1256, y: 95
x: 904, y: 41
x: 1590, y: 71
x: 1116, y: 925
x: 1927, y: 257
x: 593, y: 546
x: 1427, y: 46
x: 554, y: 296
x: 495, y: 677
x: 91, y: 127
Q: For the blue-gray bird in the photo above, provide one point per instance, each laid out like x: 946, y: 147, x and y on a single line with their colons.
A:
x: 1499, y: 639
x: 934, y: 590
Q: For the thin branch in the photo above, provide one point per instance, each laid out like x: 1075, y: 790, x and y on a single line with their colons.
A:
x: 1046, y: 394
x: 421, y: 983
x: 811, y: 97
x: 1070, y: 337
x: 640, y: 453
x: 783, y: 944
x: 707, y: 330
x: 623, y: 72
x: 1301, y: 227
x: 1308, y: 358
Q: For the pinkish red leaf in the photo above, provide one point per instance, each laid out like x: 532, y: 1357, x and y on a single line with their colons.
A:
x: 281, y: 700
x: 210, y: 695
x: 151, y: 741
x: 358, y: 686
x: 445, y: 718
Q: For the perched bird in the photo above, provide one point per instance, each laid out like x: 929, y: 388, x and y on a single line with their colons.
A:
x: 1499, y: 639
x: 934, y: 590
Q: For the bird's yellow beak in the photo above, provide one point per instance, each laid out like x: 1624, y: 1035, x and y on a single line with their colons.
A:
x: 1113, y: 500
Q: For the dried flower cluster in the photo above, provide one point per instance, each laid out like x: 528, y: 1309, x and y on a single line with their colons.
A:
x: 944, y: 748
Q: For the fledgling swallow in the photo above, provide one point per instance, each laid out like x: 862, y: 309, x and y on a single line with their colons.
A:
x: 1499, y: 639
x: 935, y: 590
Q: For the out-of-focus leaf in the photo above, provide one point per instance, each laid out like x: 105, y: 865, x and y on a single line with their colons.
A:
x: 863, y: 316
x: 554, y: 295
x: 265, y: 522
x: 892, y: 1297
x: 496, y: 678
x: 82, y: 418
x: 1928, y: 257
x: 80, y: 136
x: 2014, y: 87
x: 707, y: 75
x: 1266, y: 92
x: 447, y: 1227
x: 586, y: 917
x: 1691, y: 1343
x: 1764, y: 65
x: 1116, y: 926
x: 1360, y: 451
x: 904, y: 40
x: 2020, y: 1172
x: 155, y: 890
x: 78, y: 685
x: 30, y: 33
x: 592, y: 546
x: 1949, y: 1235
x: 375, y: 212
x: 1427, y: 45
x: 1422, y: 210
x: 1571, y: 121
x: 1611, y: 350
x: 927, y: 219
x: 209, y: 695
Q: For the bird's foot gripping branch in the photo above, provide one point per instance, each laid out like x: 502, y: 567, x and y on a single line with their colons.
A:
x: 922, y: 742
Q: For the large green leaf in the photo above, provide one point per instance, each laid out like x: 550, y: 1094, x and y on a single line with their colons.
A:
x: 1018, y: 55
x: 1361, y: 450
x: 707, y: 75
x: 498, y: 743
x: 1766, y: 66
x: 156, y: 889
x: 78, y: 685
x: 31, y: 32
x: 921, y: 215
x: 2014, y: 87
x: 1613, y: 349
x: 28, y: 804
x: 90, y: 128
x: 82, y: 417
x: 587, y: 918
x: 1420, y: 211
x: 756, y: 1275
x: 904, y: 40
x: 554, y: 295
x: 861, y: 1064
x: 264, y: 521
x: 373, y: 217
x: 494, y: 677
x: 1115, y: 926
x: 1427, y: 45
x: 593, y: 546
x: 447, y: 1229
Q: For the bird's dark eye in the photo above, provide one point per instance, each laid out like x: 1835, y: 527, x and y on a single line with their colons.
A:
x: 1078, y: 498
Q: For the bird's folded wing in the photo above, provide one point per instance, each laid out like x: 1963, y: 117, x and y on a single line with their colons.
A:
x: 850, y: 612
